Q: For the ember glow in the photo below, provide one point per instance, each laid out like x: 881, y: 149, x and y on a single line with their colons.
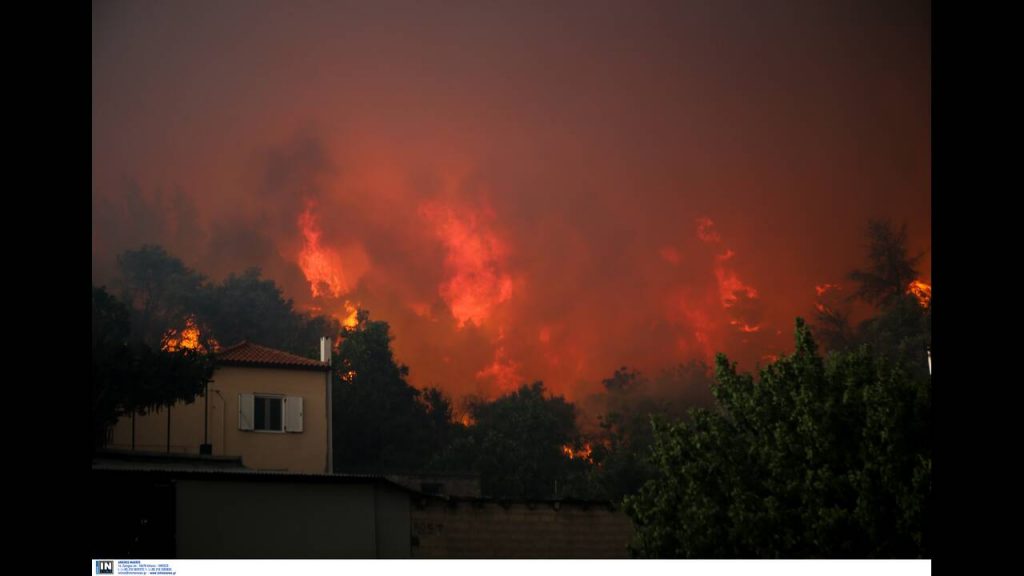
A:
x: 522, y: 194
x: 822, y: 289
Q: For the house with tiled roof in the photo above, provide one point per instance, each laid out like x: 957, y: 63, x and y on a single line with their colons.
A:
x: 268, y: 407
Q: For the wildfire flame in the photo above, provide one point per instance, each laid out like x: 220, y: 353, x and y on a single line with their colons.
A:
x: 921, y: 291
x: 321, y: 266
x: 475, y: 281
x: 185, y: 339
x: 583, y: 453
x: 744, y: 327
x: 502, y: 370
x: 350, y: 318
x: 739, y: 301
x: 729, y: 284
x: 822, y: 290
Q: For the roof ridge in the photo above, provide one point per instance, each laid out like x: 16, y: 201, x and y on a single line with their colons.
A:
x: 233, y: 346
x: 278, y: 351
x: 247, y: 352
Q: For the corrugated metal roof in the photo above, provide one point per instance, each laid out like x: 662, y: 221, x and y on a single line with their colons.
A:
x: 246, y: 353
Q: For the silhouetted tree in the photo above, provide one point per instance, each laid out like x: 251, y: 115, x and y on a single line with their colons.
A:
x: 129, y: 376
x: 620, y: 453
x: 247, y: 306
x: 163, y: 294
x: 834, y: 329
x: 902, y: 333
x: 381, y: 423
x: 902, y: 328
x: 891, y: 269
x: 516, y: 444
x: 159, y: 290
x: 441, y: 429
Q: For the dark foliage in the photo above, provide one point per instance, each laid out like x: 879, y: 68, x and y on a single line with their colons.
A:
x: 516, y: 444
x: 163, y: 294
x: 129, y: 376
x: 819, y: 458
x: 890, y: 268
x: 381, y: 423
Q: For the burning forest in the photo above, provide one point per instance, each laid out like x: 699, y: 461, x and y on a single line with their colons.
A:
x: 514, y: 223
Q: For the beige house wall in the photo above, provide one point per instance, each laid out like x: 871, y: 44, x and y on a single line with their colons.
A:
x: 304, y: 451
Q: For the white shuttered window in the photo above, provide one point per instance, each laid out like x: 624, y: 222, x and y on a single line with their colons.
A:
x: 293, y: 414
x: 270, y: 413
x: 245, y: 411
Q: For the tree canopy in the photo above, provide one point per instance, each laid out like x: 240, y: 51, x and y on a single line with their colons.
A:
x: 819, y: 457
x: 159, y: 290
x: 381, y: 422
x: 891, y: 269
x: 247, y: 306
x: 128, y: 375
x: 163, y: 294
x: 517, y: 443
x: 620, y: 450
x: 901, y: 327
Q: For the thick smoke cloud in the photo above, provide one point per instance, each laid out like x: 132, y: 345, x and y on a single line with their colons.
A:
x: 523, y: 191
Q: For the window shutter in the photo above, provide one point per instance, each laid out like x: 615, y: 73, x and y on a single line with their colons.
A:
x: 293, y: 414
x: 245, y: 410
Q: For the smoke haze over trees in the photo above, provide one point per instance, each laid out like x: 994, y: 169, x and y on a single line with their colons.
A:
x: 478, y: 180
x: 817, y: 457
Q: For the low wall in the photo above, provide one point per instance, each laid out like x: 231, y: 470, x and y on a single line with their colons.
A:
x: 492, y: 529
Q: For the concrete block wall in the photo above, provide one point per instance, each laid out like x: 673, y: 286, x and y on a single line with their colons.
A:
x: 490, y: 529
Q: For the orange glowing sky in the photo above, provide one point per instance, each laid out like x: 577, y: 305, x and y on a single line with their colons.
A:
x: 524, y: 191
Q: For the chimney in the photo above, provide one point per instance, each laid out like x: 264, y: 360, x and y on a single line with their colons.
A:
x: 325, y: 356
x: 325, y: 349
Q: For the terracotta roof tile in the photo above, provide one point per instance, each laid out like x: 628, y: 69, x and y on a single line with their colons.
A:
x: 246, y: 353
